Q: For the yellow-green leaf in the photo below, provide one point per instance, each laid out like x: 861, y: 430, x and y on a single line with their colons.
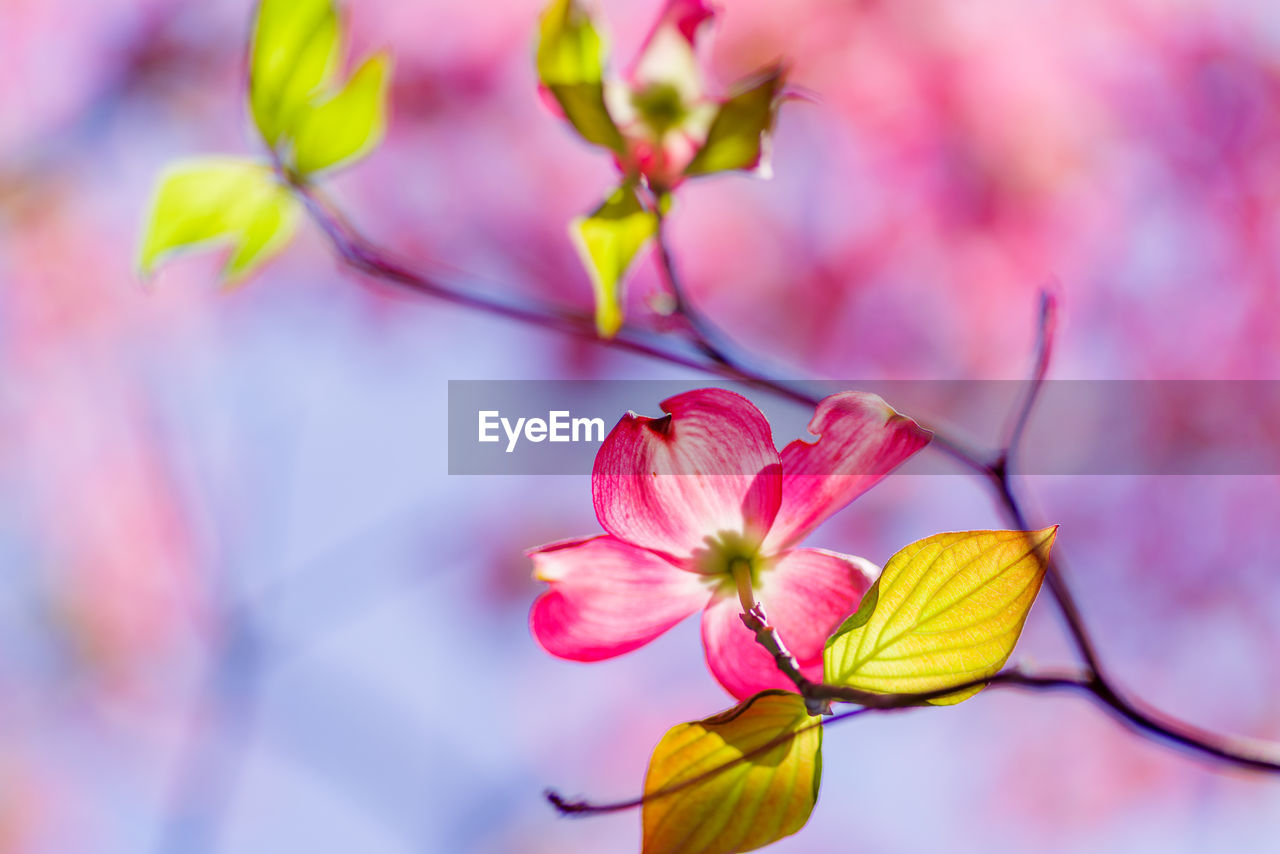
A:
x: 346, y: 126
x: 739, y: 132
x: 296, y: 49
x: 749, y: 804
x: 607, y: 243
x: 947, y: 609
x: 225, y: 201
x: 570, y: 62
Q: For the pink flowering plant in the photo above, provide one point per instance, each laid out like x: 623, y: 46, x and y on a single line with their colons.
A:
x: 701, y: 513
x: 659, y: 122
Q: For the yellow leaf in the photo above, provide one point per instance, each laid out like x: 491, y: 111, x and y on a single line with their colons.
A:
x: 296, y: 49
x: 607, y: 242
x: 570, y: 62
x: 348, y: 125
x: 219, y: 201
x: 740, y: 130
x: 751, y: 803
x: 947, y: 609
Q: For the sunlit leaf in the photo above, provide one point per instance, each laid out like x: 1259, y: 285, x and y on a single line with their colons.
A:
x: 947, y: 609
x: 750, y: 804
x: 738, y: 136
x: 607, y: 242
x: 348, y: 125
x: 570, y: 63
x: 222, y: 201
x: 296, y: 49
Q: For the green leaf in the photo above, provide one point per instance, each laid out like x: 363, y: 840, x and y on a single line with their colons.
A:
x: 737, y: 138
x: 219, y: 201
x: 348, y: 125
x: 607, y: 242
x: 750, y: 804
x: 947, y: 609
x: 860, y: 617
x: 296, y: 49
x: 570, y: 62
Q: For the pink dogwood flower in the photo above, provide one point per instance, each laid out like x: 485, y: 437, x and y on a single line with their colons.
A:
x: 698, y: 506
x: 659, y: 118
x: 659, y: 122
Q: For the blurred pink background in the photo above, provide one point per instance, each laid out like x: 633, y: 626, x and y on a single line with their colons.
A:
x: 244, y: 608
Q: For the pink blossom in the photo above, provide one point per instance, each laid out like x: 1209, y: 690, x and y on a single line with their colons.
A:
x: 662, y: 106
x: 658, y: 118
x: 698, y: 506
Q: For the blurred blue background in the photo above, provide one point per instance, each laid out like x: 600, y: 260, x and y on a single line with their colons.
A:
x: 244, y: 608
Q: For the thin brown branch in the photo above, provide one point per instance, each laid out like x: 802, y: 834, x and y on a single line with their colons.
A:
x: 883, y: 702
x: 1001, y: 474
x: 1244, y: 753
x: 582, y: 807
x: 767, y: 636
x: 706, y: 336
x: 1015, y: 678
x: 1045, y: 326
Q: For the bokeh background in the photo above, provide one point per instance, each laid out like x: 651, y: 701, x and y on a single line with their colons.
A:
x: 244, y: 608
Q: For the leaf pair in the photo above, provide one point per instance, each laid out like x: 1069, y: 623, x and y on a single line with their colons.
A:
x: 216, y: 200
x: 947, y: 610
x: 310, y: 125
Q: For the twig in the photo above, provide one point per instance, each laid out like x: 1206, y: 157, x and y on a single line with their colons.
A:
x: 885, y: 702
x: 364, y: 257
x: 1001, y: 472
x: 1043, y: 352
x: 1014, y: 678
x: 706, y: 336
x: 767, y: 636
x: 754, y: 618
x: 581, y: 807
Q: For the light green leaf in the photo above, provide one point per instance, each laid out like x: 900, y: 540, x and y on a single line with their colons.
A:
x: 607, y: 242
x: 296, y: 49
x: 860, y: 617
x: 747, y: 805
x: 738, y: 136
x: 570, y: 62
x: 226, y: 201
x: 348, y: 125
x: 947, y: 609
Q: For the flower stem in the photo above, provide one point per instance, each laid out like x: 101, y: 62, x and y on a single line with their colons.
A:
x: 742, y: 578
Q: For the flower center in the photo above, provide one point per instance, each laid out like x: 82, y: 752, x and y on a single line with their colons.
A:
x: 660, y: 107
x: 731, y: 563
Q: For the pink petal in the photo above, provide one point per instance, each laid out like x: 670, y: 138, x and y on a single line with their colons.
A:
x: 607, y: 597
x: 685, y: 16
x: 861, y: 439
x: 667, y: 54
x: 705, y: 469
x: 806, y: 595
